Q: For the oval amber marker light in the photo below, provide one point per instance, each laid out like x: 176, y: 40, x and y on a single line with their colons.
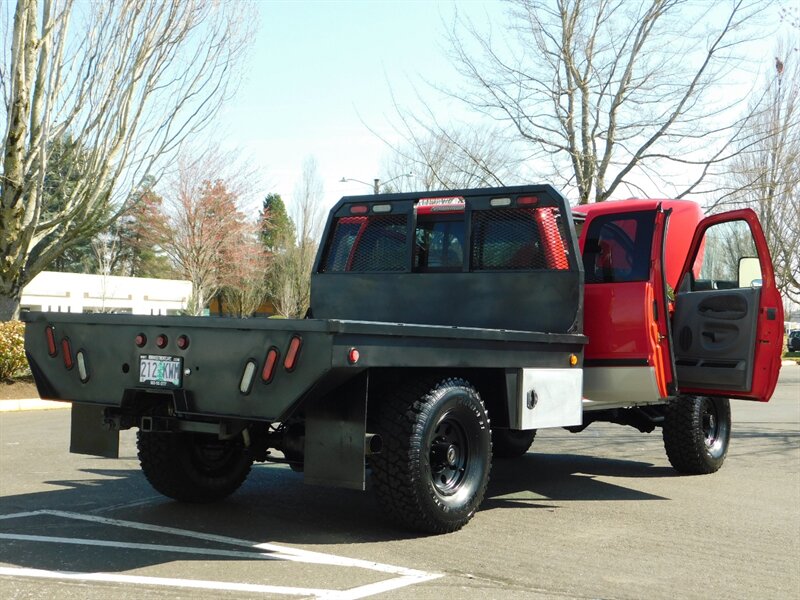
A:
x: 573, y: 360
x: 247, y: 377
x: 292, y: 353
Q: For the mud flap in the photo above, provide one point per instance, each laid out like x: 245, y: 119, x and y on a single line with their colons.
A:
x: 335, y: 437
x: 89, y: 435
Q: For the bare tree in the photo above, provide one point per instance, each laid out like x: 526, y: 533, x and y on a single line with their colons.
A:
x: 611, y: 93
x: 447, y: 155
x: 105, y: 247
x: 128, y: 80
x: 289, y: 274
x: 766, y: 173
x: 244, y: 283
x: 450, y: 158
x: 203, y: 226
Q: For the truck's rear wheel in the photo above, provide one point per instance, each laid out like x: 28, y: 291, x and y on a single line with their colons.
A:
x: 192, y: 467
x: 696, y: 431
x: 511, y: 443
x: 433, y: 470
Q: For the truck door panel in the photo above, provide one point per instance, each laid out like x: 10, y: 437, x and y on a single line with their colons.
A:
x: 727, y: 327
x: 714, y: 333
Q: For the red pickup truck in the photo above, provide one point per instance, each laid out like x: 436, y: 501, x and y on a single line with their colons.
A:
x: 445, y: 328
x: 678, y: 307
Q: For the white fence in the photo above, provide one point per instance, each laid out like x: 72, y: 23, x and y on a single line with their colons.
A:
x: 78, y: 292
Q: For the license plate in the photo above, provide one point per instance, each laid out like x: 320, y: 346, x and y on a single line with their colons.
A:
x: 160, y: 371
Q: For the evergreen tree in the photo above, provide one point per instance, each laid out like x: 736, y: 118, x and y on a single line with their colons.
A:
x: 277, y: 228
x: 137, y: 232
x: 65, y: 170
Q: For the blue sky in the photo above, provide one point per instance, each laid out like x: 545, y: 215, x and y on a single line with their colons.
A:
x: 320, y: 70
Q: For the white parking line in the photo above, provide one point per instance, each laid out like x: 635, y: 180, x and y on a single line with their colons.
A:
x: 266, y: 551
x: 165, y: 582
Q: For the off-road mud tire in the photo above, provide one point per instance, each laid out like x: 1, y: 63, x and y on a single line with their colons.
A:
x: 192, y: 467
x: 433, y: 469
x: 696, y: 433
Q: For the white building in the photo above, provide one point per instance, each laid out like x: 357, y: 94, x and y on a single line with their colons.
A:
x: 78, y: 292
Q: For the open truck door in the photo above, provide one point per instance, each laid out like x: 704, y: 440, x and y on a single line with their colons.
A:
x: 728, y: 322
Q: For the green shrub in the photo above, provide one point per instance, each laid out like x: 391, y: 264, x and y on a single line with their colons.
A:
x: 12, y: 349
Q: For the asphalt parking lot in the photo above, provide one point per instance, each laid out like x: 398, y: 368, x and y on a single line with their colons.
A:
x: 594, y: 515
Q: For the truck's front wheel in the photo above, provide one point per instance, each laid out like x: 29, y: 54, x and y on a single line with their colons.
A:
x: 433, y: 470
x: 192, y: 467
x: 696, y: 433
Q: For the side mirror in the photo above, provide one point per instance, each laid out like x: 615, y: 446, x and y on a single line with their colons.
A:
x: 750, y: 272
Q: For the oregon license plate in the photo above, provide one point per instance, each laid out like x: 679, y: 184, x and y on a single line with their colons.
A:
x: 160, y: 371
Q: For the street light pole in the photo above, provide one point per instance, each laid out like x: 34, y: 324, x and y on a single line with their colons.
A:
x: 376, y: 183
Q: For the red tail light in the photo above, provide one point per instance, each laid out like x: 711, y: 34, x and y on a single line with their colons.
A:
x: 67, y: 351
x: 183, y: 342
x: 359, y: 210
x: 527, y: 201
x: 50, y: 334
x: 141, y: 340
x: 292, y: 353
x: 269, y: 365
x: 353, y: 356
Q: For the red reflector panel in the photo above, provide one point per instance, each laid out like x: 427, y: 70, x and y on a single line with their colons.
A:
x: 268, y: 371
x: 50, y: 334
x: 67, y: 351
x: 527, y: 201
x: 293, y: 353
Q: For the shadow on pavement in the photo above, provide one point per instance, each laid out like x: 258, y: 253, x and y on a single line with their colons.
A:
x: 275, y: 506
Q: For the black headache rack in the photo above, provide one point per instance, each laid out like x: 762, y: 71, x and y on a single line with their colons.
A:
x: 498, y: 258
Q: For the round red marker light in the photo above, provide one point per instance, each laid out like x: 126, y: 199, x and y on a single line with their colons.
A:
x: 141, y: 340
x: 183, y: 342
x: 161, y: 341
x: 353, y: 356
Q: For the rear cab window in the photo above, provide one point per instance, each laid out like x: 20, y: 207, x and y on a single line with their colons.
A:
x: 447, y: 237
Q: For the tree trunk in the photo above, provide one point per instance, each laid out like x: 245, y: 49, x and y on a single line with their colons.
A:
x: 9, y: 307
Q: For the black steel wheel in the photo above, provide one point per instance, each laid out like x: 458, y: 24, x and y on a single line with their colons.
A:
x: 511, y: 443
x: 192, y: 467
x: 433, y: 469
x: 696, y: 432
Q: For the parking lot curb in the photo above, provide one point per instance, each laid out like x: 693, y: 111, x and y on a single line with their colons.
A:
x: 31, y: 404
